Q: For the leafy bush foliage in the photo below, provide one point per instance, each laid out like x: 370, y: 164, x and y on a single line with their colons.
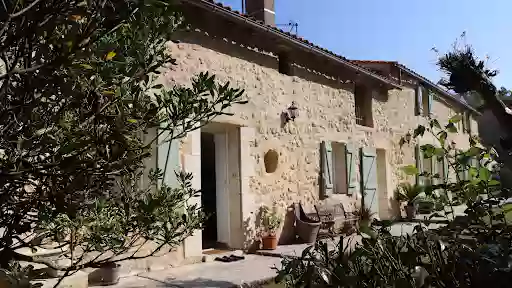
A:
x: 81, y: 109
x: 270, y: 219
x: 423, y: 259
x: 471, y: 251
x: 408, y: 192
x: 16, y: 276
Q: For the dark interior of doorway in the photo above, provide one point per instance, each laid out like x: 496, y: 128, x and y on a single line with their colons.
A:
x: 208, y: 193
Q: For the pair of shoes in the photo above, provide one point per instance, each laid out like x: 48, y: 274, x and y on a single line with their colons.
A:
x: 237, y: 257
x: 230, y: 258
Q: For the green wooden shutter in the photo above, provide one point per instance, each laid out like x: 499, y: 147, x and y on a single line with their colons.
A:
x: 419, y: 100
x: 419, y: 164
x: 327, y: 168
x: 168, y: 153
x: 430, y: 101
x: 369, y: 179
x: 350, y: 160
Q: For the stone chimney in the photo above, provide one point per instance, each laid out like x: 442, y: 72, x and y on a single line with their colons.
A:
x: 262, y: 10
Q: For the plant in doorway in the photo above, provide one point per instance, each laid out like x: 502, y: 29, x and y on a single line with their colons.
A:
x: 407, y: 192
x: 364, y: 215
x: 271, y: 222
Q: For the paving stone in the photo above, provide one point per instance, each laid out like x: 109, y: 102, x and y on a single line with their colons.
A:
x: 212, y: 274
x: 78, y: 280
x: 41, y: 252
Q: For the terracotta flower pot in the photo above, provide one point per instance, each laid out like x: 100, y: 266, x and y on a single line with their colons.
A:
x: 410, y: 211
x: 269, y: 242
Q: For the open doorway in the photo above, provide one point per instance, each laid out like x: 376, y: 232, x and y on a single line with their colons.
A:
x: 208, y: 190
x: 220, y: 185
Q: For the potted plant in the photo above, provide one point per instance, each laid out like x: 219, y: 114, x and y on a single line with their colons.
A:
x: 407, y: 192
x: 364, y: 215
x: 271, y: 222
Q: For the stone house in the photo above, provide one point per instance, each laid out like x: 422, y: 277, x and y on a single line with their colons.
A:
x: 343, y: 144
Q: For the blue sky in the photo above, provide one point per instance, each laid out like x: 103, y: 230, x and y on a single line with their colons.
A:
x: 404, y: 30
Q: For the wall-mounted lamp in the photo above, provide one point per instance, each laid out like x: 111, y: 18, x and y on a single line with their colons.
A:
x: 292, y: 113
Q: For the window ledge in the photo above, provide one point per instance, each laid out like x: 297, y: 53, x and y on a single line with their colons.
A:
x: 365, y: 128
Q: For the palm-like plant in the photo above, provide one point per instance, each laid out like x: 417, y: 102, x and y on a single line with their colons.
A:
x: 407, y: 192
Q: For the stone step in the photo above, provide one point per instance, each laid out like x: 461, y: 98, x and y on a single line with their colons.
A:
x: 78, y: 280
x: 41, y: 252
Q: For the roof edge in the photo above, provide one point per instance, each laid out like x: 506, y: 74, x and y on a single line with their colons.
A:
x: 439, y: 89
x: 239, y: 17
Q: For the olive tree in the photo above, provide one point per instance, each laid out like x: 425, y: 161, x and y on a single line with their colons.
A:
x: 79, y: 91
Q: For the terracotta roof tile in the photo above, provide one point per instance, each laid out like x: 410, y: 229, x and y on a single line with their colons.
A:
x: 357, y: 63
x: 444, y: 92
x: 374, y: 61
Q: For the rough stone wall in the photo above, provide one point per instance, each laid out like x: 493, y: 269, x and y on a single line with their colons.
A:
x: 326, y: 112
x: 443, y: 113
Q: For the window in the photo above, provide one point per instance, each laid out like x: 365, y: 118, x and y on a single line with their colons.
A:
x: 363, y: 103
x: 338, y: 169
x: 442, y: 169
x: 462, y: 168
x: 427, y: 102
x: 462, y: 173
x: 460, y: 127
x: 434, y: 166
x: 424, y: 99
x: 285, y: 64
x: 423, y: 165
x: 427, y: 167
